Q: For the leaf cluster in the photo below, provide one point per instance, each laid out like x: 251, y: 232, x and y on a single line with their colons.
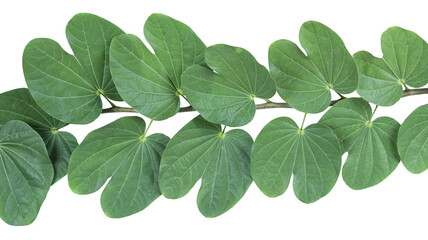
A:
x: 221, y: 83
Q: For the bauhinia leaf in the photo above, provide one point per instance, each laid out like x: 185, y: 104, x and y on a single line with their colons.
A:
x: 19, y: 105
x: 69, y: 87
x: 405, y: 61
x: 150, y: 83
x: 371, y: 145
x: 202, y: 150
x: 122, y: 151
x: 305, y: 82
x: 412, y: 140
x: 25, y: 173
x: 227, y: 96
x: 312, y: 155
x: 176, y: 45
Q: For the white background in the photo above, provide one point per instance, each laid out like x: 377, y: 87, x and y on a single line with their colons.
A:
x: 395, y: 209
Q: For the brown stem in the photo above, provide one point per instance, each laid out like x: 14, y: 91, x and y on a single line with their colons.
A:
x: 406, y: 93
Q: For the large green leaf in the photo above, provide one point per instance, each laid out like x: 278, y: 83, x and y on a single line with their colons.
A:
x: 312, y: 155
x: 176, y: 45
x: 305, y: 81
x: 150, y: 83
x: 226, y: 96
x: 371, y: 145
x: 25, y: 173
x: 141, y: 79
x: 19, y: 105
x: 122, y: 151
x: 201, y: 149
x: 413, y: 139
x: 69, y: 87
x: 405, y: 61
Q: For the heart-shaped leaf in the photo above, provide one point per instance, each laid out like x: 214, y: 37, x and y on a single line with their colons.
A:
x: 69, y: 87
x: 305, y: 82
x: 371, y: 145
x: 405, y: 61
x: 150, y: 83
x: 202, y: 149
x: 19, y: 105
x: 312, y: 155
x: 227, y: 96
x: 412, y: 140
x: 25, y: 173
x: 120, y: 150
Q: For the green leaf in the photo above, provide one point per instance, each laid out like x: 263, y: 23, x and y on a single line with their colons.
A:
x: 149, y: 83
x: 312, y: 155
x: 141, y: 79
x: 371, y: 145
x: 412, y: 140
x: 201, y: 150
x: 227, y: 96
x: 119, y: 150
x: 305, y: 81
x: 405, y: 61
x: 25, y: 173
x: 69, y: 87
x: 18, y: 104
x: 176, y: 45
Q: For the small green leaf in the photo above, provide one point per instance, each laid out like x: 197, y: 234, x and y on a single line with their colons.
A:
x: 405, y: 61
x: 227, y: 96
x: 25, y: 173
x: 141, y: 79
x: 69, y: 87
x: 312, y: 155
x: 18, y: 104
x: 412, y: 140
x: 371, y: 145
x: 176, y: 45
x: 305, y: 82
x: 119, y: 150
x: 201, y: 149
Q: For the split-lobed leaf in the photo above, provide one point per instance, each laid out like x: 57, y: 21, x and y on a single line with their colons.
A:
x: 150, y: 83
x: 18, y: 104
x: 404, y: 61
x: 305, y: 82
x: 371, y: 145
x: 69, y: 87
x: 26, y: 173
x: 122, y: 151
x: 312, y: 155
x: 412, y: 140
x: 226, y: 96
x: 202, y: 150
